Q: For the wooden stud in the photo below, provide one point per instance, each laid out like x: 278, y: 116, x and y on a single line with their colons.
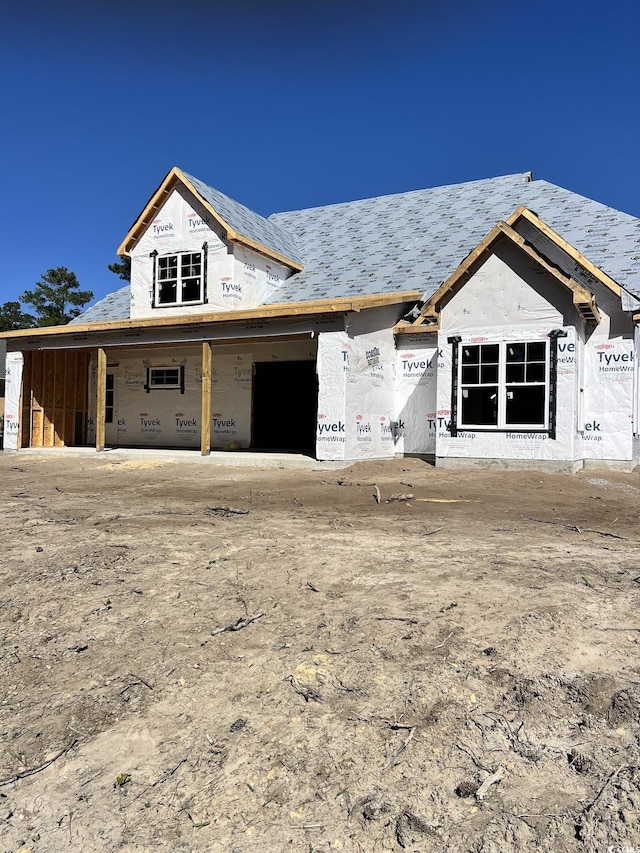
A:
x: 36, y: 413
x: 101, y: 399
x: 23, y: 385
x: 205, y: 426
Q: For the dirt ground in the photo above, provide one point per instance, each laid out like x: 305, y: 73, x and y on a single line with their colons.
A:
x: 454, y: 672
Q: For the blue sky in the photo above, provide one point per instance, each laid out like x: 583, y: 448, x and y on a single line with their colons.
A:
x: 287, y: 105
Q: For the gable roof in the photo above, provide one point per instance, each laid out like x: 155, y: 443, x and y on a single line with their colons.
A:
x: 240, y: 224
x: 416, y: 240
x: 546, y: 248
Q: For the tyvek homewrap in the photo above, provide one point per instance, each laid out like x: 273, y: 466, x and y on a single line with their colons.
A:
x: 13, y: 386
x: 231, y: 384
x: 416, y: 372
x: 150, y: 416
x: 511, y: 443
x: 369, y: 389
x: 355, y: 395
x: 608, y: 405
x: 235, y: 277
x: 332, y: 367
x: 507, y: 290
x: 147, y: 416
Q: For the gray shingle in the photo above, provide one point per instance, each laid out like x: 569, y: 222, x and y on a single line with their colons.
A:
x: 114, y: 306
x: 415, y: 240
x: 248, y: 223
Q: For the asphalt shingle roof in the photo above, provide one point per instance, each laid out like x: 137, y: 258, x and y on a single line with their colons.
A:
x: 114, y: 306
x: 415, y: 240
x: 248, y: 223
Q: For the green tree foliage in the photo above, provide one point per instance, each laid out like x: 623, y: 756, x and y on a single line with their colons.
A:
x: 12, y: 317
x: 122, y: 270
x: 57, y: 297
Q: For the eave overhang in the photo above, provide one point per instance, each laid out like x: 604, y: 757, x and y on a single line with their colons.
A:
x: 175, y: 177
x: 281, y: 311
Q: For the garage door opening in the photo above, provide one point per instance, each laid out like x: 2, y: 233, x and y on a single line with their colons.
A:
x: 285, y: 405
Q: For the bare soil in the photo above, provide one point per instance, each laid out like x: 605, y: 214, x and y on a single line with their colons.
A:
x: 456, y: 671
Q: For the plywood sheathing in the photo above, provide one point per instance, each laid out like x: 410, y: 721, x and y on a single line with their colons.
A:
x: 54, y: 398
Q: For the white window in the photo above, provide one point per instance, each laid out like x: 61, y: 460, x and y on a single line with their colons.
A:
x: 179, y: 279
x: 167, y: 378
x: 503, y: 385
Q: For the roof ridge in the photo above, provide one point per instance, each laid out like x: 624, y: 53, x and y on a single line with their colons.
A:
x: 526, y: 177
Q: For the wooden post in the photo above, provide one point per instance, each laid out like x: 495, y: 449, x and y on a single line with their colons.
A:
x: 101, y: 399
x: 205, y: 428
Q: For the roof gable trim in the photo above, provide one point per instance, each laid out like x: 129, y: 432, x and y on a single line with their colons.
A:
x: 156, y: 201
x: 583, y: 298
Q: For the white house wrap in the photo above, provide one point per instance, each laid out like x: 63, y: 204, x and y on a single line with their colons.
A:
x: 454, y: 323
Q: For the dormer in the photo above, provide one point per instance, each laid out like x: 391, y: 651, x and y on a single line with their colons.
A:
x: 194, y: 250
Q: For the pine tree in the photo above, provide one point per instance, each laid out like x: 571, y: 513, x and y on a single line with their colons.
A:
x: 57, y: 290
x: 12, y: 318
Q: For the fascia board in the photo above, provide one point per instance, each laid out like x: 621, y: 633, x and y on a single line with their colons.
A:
x: 282, y: 310
x: 154, y: 204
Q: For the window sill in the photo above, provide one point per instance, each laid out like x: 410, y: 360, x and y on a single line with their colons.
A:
x: 179, y: 304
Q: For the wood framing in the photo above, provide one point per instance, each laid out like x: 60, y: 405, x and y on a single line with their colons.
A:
x: 583, y: 299
x: 278, y: 311
x: 54, y: 398
x: 101, y: 399
x: 205, y: 428
x: 156, y: 201
x: 542, y: 226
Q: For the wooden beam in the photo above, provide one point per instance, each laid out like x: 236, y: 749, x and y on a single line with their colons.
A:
x: 415, y: 330
x: 101, y: 399
x: 205, y: 427
x: 519, y: 240
x: 279, y: 311
x: 143, y: 218
x: 595, y: 271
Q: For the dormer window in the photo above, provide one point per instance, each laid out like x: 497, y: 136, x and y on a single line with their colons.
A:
x: 179, y: 279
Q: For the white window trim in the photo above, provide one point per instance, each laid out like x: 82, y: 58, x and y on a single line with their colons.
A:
x: 502, y: 425
x: 179, y: 280
x: 177, y: 386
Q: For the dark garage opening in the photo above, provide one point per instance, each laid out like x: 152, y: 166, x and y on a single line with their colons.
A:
x: 285, y: 405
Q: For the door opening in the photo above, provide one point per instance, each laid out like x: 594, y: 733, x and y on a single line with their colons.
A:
x: 285, y: 405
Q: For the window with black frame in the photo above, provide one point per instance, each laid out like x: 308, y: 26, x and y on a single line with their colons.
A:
x: 503, y: 385
x: 179, y: 279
